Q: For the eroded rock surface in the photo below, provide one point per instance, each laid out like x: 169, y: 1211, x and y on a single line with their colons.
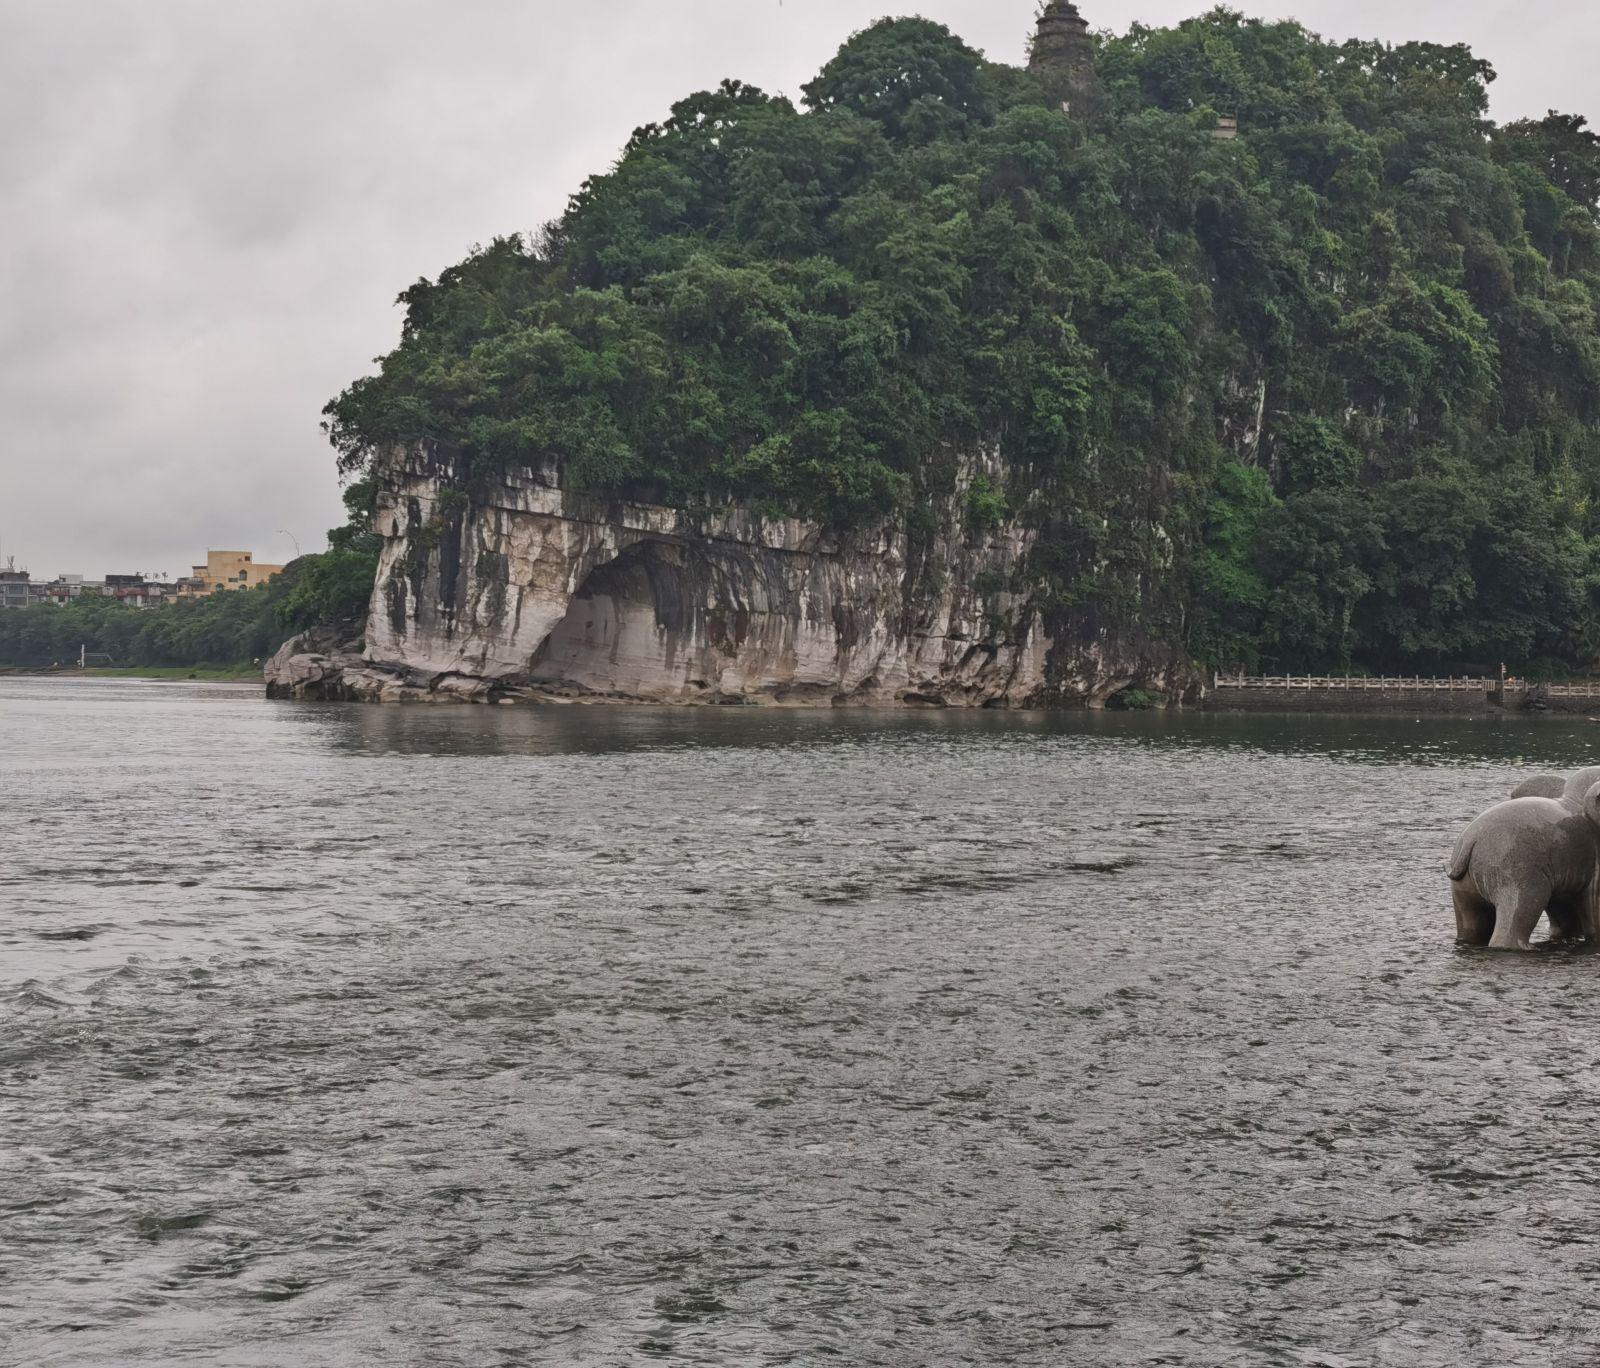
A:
x: 529, y: 592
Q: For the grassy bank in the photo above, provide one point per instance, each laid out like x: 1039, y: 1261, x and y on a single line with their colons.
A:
x: 244, y: 672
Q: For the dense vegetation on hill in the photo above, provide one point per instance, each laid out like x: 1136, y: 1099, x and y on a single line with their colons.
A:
x: 326, y: 589
x: 1324, y: 396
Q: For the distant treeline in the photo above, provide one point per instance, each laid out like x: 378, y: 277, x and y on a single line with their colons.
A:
x: 226, y: 628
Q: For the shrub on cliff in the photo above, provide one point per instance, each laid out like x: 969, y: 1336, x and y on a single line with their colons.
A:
x: 333, y: 589
x: 1325, y: 395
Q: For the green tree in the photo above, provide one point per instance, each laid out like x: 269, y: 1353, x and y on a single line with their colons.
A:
x: 912, y: 77
x: 1324, y: 396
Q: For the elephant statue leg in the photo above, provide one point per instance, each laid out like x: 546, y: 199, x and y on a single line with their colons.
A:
x: 1474, y: 916
x: 1569, y: 919
x: 1516, y: 917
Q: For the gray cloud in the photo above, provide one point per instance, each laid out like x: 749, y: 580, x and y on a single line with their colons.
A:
x: 209, y: 208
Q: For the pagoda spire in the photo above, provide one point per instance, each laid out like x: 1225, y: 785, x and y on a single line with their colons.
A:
x: 1063, y: 52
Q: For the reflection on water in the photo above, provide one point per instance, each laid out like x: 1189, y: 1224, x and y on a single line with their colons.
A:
x: 1536, y: 742
x: 353, y: 1035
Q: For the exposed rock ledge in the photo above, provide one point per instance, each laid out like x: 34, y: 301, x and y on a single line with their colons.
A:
x: 530, y: 593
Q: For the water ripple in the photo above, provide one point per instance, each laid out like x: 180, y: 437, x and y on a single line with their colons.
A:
x: 345, y: 1036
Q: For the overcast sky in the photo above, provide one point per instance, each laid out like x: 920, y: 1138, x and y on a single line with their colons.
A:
x: 209, y: 206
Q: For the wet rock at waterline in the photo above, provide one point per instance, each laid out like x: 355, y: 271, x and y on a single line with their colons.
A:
x: 310, y: 666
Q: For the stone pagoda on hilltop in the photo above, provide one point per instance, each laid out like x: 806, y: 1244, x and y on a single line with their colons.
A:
x: 1063, y: 53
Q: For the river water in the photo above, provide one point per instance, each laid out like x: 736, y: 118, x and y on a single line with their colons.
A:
x: 344, y: 1035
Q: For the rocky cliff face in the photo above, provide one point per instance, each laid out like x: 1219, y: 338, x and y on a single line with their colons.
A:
x: 532, y: 592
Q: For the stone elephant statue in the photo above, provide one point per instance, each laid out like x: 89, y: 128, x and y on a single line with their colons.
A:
x: 1528, y: 856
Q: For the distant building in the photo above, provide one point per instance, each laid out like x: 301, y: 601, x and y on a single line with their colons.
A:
x: 135, y: 590
x: 1227, y: 128
x: 66, y: 588
x: 16, y: 587
x: 226, y: 570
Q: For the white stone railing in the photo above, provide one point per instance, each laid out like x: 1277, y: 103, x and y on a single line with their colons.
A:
x: 1410, y: 683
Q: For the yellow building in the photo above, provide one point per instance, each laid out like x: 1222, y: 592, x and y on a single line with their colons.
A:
x: 226, y: 570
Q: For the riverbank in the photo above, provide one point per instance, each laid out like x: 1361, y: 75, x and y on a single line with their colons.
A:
x: 1431, y: 697
x: 246, y: 673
